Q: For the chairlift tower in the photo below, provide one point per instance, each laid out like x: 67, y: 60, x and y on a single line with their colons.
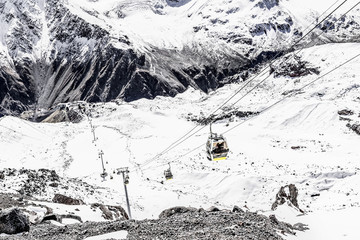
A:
x: 103, y: 174
x: 125, y: 173
x: 93, y: 131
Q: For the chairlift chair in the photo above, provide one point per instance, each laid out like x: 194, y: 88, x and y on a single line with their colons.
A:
x: 216, y: 147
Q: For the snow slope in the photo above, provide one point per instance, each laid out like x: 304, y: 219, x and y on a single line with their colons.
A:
x: 302, y: 140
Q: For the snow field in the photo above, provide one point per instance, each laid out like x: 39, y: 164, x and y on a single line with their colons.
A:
x: 301, y: 141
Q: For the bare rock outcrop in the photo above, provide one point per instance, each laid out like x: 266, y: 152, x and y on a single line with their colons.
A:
x: 176, y: 223
x: 287, y: 194
x: 13, y: 221
x: 111, y: 212
x: 175, y: 210
x: 354, y: 127
x: 59, y: 198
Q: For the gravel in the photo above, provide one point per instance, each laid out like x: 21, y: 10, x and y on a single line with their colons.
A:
x: 199, y: 224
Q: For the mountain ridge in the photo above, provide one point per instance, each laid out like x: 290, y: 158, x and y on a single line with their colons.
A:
x: 61, y: 51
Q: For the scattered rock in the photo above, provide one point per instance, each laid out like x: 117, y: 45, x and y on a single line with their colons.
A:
x: 300, y: 227
x: 297, y: 147
x: 293, y: 66
x: 268, y: 4
x: 190, y: 223
x: 59, y: 198
x: 65, y: 115
x: 274, y: 219
x: 345, y: 119
x: 354, y: 127
x: 54, y: 184
x: 230, y: 115
x: 13, y: 221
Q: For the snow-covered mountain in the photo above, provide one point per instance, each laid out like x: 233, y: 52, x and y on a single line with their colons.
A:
x: 98, y: 50
x: 304, y: 140
x: 64, y: 51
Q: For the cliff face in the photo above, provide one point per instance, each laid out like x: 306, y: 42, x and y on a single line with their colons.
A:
x: 60, y: 51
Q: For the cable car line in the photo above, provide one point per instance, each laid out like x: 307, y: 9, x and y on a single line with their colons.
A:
x: 271, y: 106
x: 185, y: 136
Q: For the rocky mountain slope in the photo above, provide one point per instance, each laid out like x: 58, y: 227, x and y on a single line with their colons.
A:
x: 60, y: 51
x: 183, y: 223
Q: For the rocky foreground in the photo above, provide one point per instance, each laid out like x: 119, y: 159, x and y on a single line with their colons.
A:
x: 174, y: 223
x: 20, y: 220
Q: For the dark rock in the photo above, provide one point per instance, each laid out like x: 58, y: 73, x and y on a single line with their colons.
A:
x: 54, y: 184
x: 59, y: 198
x: 111, y: 212
x: 54, y: 217
x: 59, y: 217
x: 293, y: 66
x: 274, y: 219
x: 268, y: 4
x: 354, y: 127
x: 237, y: 209
x: 228, y: 114
x: 13, y: 221
x: 287, y: 194
x: 345, y: 112
x: 345, y: 119
x: 191, y: 224
x: 213, y: 209
x: 297, y: 147
x: 175, y: 210
x: 65, y: 115
x: 300, y: 227
x: 2, y: 176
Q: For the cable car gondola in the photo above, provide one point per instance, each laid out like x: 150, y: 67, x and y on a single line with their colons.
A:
x: 168, y: 174
x: 216, y: 147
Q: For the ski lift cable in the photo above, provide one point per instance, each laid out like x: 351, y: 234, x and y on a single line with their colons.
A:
x: 297, y: 90
x: 235, y: 102
x: 295, y: 53
x: 249, y: 92
x: 269, y: 107
x: 185, y: 136
x: 307, y: 45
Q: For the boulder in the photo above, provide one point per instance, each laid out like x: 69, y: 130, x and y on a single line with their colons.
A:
x: 237, y: 209
x: 111, y: 212
x: 59, y: 198
x: 213, y: 209
x: 287, y: 194
x: 175, y: 210
x: 60, y: 217
x: 13, y: 221
x: 345, y: 112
